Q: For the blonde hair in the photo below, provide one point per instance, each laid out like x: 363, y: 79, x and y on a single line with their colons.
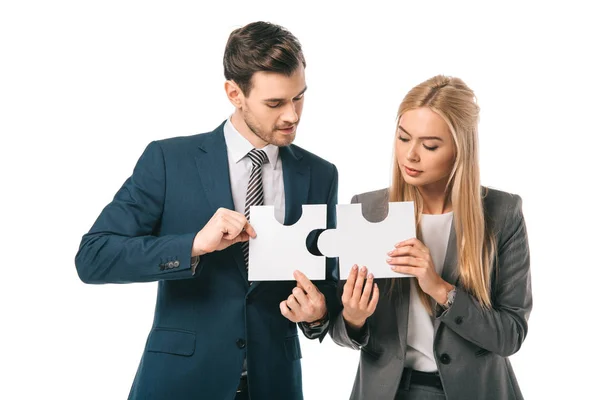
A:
x: 455, y: 102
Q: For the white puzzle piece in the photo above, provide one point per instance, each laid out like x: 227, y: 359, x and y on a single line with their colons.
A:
x: 358, y: 241
x: 279, y: 250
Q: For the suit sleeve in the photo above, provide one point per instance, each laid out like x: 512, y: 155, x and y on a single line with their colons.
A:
x: 329, y: 286
x: 503, y: 328
x: 122, y: 246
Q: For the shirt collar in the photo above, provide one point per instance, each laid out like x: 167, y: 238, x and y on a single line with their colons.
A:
x: 238, y: 146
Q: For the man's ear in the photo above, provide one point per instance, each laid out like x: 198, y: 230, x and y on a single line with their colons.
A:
x: 234, y: 93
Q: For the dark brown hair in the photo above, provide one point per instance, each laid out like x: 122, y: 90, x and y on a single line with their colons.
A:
x: 260, y: 46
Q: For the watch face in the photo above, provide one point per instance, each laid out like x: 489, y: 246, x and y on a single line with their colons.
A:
x: 315, y: 324
x: 451, y: 295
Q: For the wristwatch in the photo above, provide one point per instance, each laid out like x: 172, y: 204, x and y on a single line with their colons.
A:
x: 450, y: 298
x: 195, y: 260
x: 318, y: 323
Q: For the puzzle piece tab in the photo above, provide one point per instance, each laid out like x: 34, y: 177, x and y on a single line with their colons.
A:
x: 358, y: 241
x: 278, y: 249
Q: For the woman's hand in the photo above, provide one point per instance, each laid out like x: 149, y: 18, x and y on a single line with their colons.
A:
x: 412, y: 257
x: 357, y: 301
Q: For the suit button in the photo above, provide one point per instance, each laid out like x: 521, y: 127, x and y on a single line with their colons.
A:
x: 175, y: 264
x: 241, y: 343
x: 162, y: 267
x: 445, y: 358
x: 458, y: 320
x: 170, y: 264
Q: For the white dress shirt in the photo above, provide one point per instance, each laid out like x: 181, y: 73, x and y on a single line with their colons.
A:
x: 435, y: 230
x: 239, y: 172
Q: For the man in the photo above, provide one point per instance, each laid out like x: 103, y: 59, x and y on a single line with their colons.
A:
x: 182, y: 219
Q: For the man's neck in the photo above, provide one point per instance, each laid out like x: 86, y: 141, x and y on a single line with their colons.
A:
x: 238, y: 122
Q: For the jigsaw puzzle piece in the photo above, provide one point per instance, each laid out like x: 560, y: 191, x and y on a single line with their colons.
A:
x: 358, y: 241
x: 279, y: 249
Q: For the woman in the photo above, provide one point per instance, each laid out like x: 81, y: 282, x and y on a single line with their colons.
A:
x: 447, y: 332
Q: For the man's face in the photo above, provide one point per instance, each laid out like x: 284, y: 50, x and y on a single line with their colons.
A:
x: 273, y: 106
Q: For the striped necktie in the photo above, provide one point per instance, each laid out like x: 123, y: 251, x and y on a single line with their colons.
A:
x: 254, y: 194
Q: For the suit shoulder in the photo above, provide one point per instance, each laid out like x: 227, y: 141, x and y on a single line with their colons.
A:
x: 497, y: 201
x: 182, y: 141
x: 192, y: 141
x: 375, y: 196
x: 503, y: 211
x: 311, y: 157
x: 180, y: 145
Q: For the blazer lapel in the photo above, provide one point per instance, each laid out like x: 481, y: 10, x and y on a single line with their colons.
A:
x: 450, y: 269
x: 296, y: 182
x: 402, y: 311
x: 213, y: 167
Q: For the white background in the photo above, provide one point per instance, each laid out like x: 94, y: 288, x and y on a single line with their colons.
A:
x: 84, y: 86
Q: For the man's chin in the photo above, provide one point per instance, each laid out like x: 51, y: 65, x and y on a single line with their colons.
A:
x: 282, y: 140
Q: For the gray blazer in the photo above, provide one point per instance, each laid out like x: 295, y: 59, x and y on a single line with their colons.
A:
x: 471, y: 346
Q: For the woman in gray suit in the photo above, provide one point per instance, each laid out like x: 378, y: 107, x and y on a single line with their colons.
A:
x: 447, y: 333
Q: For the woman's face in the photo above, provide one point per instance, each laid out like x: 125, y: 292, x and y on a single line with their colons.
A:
x: 425, y: 149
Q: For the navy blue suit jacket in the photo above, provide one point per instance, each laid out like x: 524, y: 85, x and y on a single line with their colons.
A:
x: 205, y: 323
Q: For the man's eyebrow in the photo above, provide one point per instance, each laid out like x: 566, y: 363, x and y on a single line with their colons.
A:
x: 274, y: 100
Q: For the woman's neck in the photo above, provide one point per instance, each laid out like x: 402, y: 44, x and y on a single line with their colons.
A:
x: 435, y: 200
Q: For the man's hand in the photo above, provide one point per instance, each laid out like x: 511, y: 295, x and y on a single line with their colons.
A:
x: 225, y: 228
x: 306, y: 303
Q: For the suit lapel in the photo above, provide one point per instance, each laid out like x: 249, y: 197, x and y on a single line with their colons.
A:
x: 296, y: 183
x: 450, y: 269
x: 402, y: 312
x: 213, y: 167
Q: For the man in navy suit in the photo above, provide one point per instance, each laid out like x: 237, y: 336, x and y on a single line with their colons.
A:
x: 179, y: 220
